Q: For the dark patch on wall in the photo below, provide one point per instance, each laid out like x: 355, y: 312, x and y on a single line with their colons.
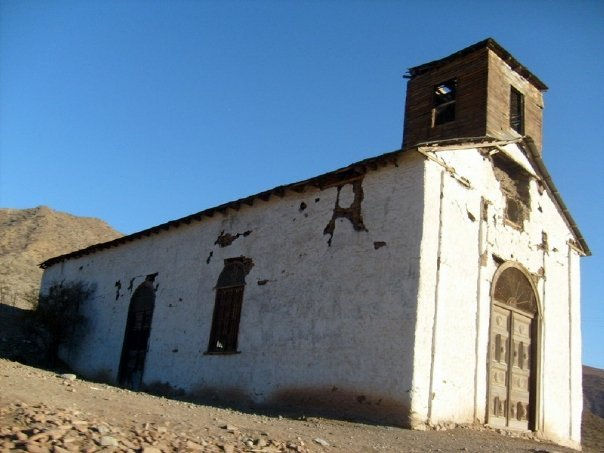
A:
x: 302, y: 206
x: 341, y: 404
x: 226, y: 239
x: 540, y: 187
x: 352, y: 213
x: 317, y: 200
x: 131, y: 284
x: 536, y: 276
x: 209, y: 258
x: 231, y: 397
x: 497, y: 259
x: 175, y: 350
x: 81, y: 267
x: 247, y: 263
x: 118, y: 286
x: 379, y: 244
x: 471, y: 216
x: 514, y: 185
x: 163, y: 389
x: 544, y: 242
x: 484, y: 209
x: 151, y: 277
x: 262, y: 282
x: 309, y: 402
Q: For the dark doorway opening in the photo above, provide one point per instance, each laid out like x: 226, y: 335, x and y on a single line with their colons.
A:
x: 136, y: 337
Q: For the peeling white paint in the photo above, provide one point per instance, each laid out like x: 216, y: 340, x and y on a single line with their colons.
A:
x: 397, y: 333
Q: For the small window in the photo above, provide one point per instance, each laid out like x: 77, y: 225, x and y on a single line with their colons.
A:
x: 514, y: 211
x: 227, y: 308
x: 516, y: 110
x: 443, y: 110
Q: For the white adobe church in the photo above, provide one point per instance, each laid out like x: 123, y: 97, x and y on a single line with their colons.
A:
x: 434, y: 284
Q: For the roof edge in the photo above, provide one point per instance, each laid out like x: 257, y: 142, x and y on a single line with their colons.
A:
x: 533, y: 156
x: 538, y: 160
x: 322, y: 181
x: 334, y: 177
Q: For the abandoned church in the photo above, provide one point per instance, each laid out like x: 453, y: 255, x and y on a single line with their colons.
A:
x: 431, y: 285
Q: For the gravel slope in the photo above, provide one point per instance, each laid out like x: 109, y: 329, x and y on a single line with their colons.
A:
x: 42, y: 411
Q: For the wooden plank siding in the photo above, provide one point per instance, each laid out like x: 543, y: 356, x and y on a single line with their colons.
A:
x: 471, y: 73
x: 482, y: 107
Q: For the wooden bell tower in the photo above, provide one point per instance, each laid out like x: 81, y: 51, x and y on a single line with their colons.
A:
x: 479, y: 92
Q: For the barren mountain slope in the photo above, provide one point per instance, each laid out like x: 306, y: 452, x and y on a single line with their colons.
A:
x: 593, y: 408
x: 593, y: 390
x: 30, y: 236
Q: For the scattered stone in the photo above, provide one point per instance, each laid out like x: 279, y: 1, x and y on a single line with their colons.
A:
x: 320, y: 441
x: 193, y: 445
x: 151, y: 450
x: 108, y: 441
x: 57, y: 449
x: 33, y: 447
x: 260, y: 442
x: 69, y: 376
x: 102, y: 429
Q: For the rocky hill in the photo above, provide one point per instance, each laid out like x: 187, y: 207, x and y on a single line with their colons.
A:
x: 593, y: 390
x: 30, y: 236
x: 593, y: 408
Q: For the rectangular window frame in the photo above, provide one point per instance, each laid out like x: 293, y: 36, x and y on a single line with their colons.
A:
x: 444, y: 104
x: 225, y: 320
x: 516, y: 110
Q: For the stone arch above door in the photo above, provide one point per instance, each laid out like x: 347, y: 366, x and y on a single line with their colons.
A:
x: 513, y: 286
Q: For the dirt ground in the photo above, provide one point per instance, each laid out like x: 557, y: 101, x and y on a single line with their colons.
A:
x: 41, y: 411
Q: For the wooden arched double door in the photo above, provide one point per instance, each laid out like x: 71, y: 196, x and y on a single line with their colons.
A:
x: 136, y: 336
x: 512, y: 350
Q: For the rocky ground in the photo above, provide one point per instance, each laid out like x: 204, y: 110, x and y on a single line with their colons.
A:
x: 42, y: 411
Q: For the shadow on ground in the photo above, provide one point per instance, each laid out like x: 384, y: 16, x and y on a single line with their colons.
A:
x: 16, y: 341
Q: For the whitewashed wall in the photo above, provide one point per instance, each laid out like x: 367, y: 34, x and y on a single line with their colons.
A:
x: 372, y: 332
x: 333, y: 327
x: 452, y: 332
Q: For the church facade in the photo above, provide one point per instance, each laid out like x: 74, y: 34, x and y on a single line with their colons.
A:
x: 431, y: 285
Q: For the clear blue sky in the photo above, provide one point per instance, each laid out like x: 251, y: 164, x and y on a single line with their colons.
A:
x: 139, y: 112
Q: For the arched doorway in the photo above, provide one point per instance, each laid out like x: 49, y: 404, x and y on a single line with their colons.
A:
x: 512, y: 388
x: 136, y: 336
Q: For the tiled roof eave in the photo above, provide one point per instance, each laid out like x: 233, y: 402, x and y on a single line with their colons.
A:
x: 322, y: 181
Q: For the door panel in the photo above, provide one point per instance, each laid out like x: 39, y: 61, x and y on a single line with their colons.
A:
x: 499, y: 359
x: 520, y: 372
x: 509, y: 370
x: 136, y: 336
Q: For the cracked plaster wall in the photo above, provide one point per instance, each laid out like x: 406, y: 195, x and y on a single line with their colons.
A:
x: 454, y: 389
x: 318, y: 323
x: 353, y: 317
